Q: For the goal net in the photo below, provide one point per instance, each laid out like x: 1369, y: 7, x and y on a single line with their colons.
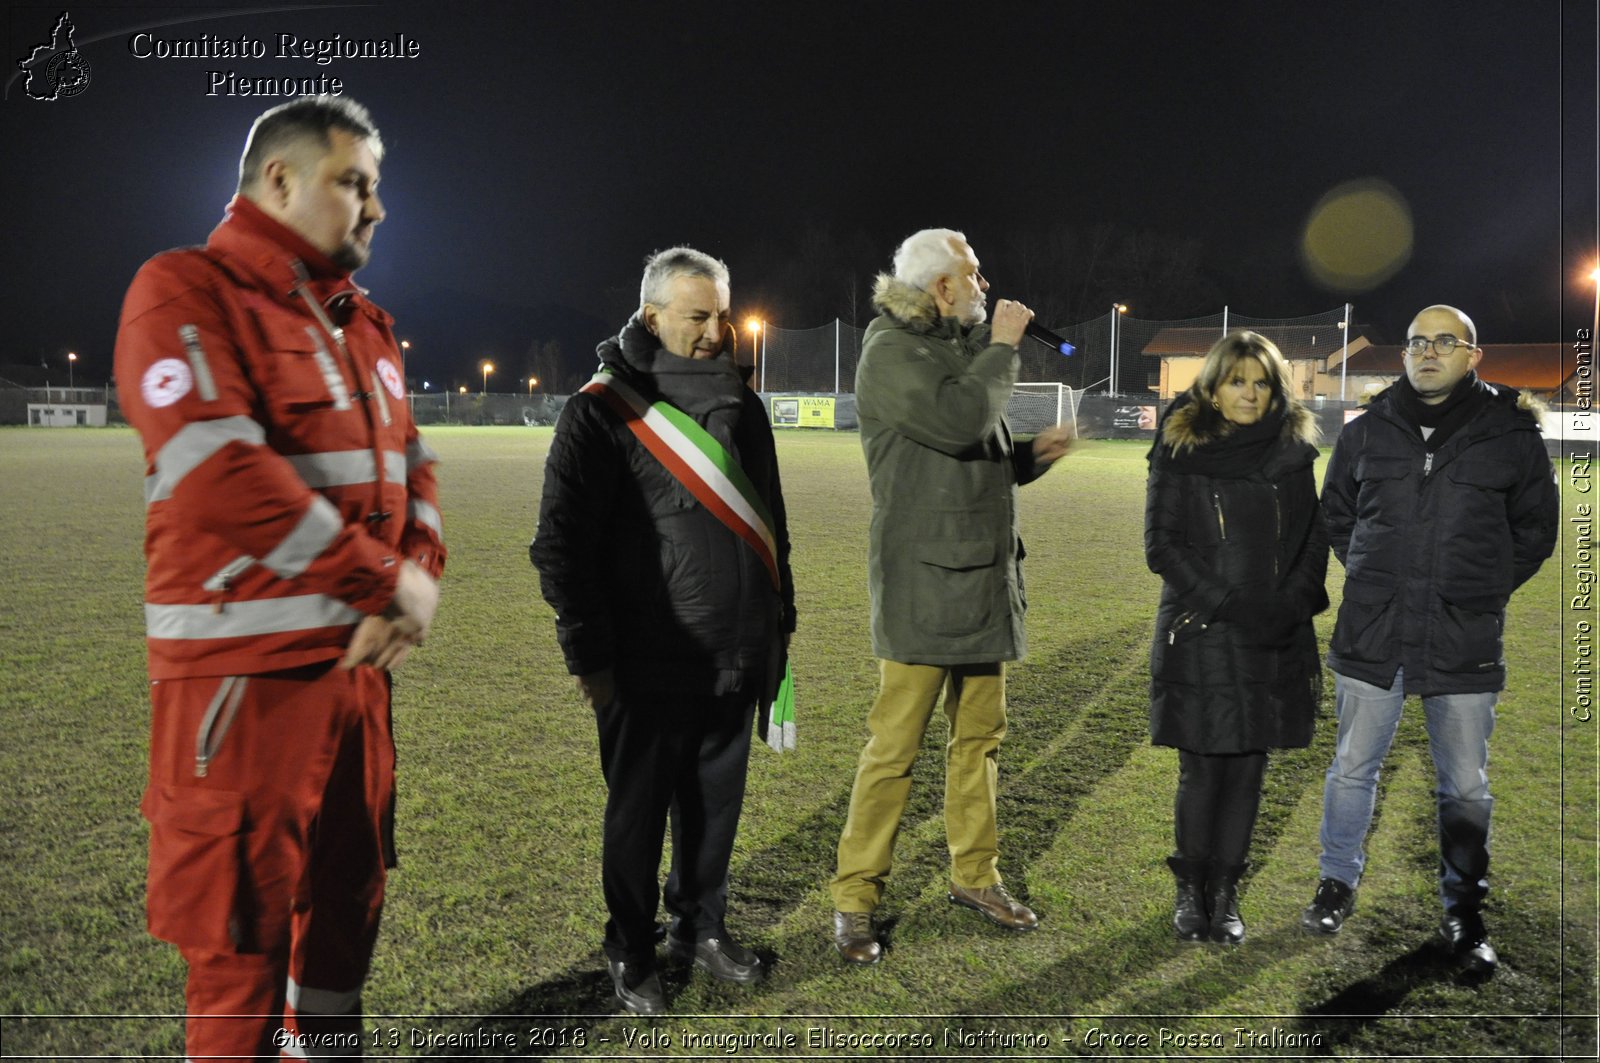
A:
x: 1033, y: 407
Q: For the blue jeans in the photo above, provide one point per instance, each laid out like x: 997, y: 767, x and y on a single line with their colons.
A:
x: 1459, y: 726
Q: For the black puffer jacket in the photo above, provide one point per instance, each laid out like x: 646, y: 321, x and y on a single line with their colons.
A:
x: 1434, y: 544
x: 643, y: 579
x: 1246, y: 529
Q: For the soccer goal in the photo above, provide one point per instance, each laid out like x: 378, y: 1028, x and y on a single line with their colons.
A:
x: 1033, y: 407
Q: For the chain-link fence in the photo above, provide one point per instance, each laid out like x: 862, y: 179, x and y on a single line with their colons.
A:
x: 1114, y: 354
x: 443, y: 407
x: 427, y: 407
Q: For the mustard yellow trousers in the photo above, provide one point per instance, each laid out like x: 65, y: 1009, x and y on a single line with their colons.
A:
x: 975, y: 704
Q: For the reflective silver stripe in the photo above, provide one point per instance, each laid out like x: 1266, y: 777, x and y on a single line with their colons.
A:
x: 338, y: 468
x: 240, y: 619
x: 192, y: 445
x: 197, y: 362
x: 330, y: 372
x: 224, y: 575
x: 419, y: 453
x: 303, y: 545
x: 426, y: 515
x: 383, y: 399
x: 308, y: 1001
x: 229, y: 694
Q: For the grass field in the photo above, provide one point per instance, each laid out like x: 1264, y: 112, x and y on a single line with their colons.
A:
x: 493, y: 921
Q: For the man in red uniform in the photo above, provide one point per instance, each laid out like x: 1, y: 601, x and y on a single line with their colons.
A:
x: 293, y: 542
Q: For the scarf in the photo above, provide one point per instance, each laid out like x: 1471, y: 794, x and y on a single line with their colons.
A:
x: 709, y: 388
x: 1446, y: 418
x: 1233, y: 456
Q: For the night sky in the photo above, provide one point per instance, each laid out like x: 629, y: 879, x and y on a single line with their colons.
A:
x: 537, y: 151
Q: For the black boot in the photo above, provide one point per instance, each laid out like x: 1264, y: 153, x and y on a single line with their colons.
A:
x: 1222, y: 897
x: 1189, y: 910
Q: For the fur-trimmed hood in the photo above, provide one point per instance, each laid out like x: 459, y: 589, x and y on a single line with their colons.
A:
x: 1185, y: 425
x: 1518, y: 404
x: 899, y: 300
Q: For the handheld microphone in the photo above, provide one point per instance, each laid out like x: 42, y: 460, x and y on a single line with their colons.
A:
x: 1048, y: 338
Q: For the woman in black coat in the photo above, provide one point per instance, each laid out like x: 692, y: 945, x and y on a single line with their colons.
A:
x: 1233, y: 528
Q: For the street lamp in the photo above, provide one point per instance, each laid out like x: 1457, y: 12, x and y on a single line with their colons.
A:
x: 754, y: 324
x: 1594, y: 275
x: 463, y: 389
x: 1117, y: 310
x: 71, y: 358
x: 532, y: 380
x: 488, y: 367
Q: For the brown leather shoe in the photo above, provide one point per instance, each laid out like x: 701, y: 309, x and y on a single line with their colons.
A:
x: 999, y: 906
x: 856, y: 938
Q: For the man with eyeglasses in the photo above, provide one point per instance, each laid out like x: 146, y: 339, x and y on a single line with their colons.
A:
x: 1440, y: 502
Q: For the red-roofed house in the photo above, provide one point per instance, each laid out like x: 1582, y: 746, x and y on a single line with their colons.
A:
x: 1534, y: 367
x: 1307, y: 348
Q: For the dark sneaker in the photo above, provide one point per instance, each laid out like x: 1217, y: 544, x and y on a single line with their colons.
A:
x: 1329, y: 908
x: 1468, y: 942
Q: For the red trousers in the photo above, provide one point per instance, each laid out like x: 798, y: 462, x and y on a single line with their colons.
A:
x: 271, y: 809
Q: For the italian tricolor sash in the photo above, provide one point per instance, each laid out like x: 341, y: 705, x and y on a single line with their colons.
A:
x: 697, y: 461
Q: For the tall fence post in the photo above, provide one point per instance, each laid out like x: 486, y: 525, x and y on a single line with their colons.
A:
x: 836, y: 356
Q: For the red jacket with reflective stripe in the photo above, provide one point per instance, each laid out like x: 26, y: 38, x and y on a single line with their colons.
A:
x: 285, y: 480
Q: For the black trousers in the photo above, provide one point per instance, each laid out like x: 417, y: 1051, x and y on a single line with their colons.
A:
x: 680, y: 758
x: 1215, y: 811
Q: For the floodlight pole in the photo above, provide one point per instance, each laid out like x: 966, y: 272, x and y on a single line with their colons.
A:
x: 1113, y: 377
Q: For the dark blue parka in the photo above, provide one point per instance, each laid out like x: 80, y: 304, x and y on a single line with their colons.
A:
x: 1433, y: 543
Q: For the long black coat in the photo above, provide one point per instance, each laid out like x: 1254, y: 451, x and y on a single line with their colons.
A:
x: 643, y: 579
x: 1216, y: 686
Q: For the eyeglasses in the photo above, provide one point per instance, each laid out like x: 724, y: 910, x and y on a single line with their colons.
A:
x: 1443, y: 344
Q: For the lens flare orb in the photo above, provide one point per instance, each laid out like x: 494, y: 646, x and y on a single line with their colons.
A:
x: 1357, y: 236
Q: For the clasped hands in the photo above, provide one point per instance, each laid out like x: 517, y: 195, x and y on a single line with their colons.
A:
x: 384, y: 640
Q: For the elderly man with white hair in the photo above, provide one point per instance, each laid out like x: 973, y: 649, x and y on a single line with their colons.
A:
x: 944, y: 569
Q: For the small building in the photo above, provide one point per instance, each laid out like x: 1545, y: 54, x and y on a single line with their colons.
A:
x: 1532, y: 367
x: 1307, y: 348
x: 66, y: 414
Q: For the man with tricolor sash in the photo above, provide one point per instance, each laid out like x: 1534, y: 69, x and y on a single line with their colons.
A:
x: 663, y: 549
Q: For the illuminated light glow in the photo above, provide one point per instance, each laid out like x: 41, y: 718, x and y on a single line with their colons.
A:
x: 1357, y: 236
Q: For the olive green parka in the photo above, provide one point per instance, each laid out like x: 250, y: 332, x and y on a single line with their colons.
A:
x: 944, y: 554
